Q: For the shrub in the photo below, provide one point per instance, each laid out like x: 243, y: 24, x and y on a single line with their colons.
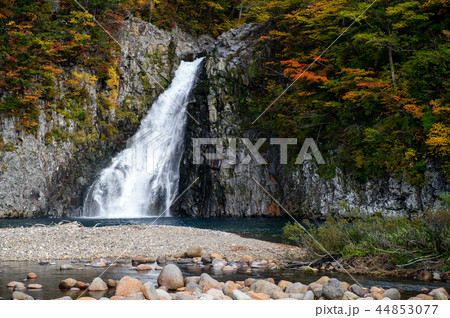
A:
x: 405, y: 241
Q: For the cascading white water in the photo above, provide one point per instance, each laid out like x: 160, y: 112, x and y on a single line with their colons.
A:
x: 142, y: 180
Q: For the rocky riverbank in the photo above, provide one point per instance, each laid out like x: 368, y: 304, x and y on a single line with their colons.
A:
x: 171, y: 285
x: 73, y: 241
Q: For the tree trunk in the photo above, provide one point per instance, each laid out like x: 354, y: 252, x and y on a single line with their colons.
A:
x: 391, y: 62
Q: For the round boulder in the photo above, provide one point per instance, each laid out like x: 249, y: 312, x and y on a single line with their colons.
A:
x: 332, y: 289
x: 97, y: 285
x: 128, y: 286
x: 171, y: 277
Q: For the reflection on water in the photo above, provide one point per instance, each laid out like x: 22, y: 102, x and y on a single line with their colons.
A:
x: 49, y: 276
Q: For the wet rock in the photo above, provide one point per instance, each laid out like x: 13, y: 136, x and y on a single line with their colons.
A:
x: 238, y: 295
x: 32, y: 276
x: 316, y: 288
x: 206, y: 260
x: 265, y: 287
x: 279, y: 295
x: 14, y: 284
x: 442, y: 290
x: 392, y: 293
x: 332, y: 289
x: 97, y: 285
x: 128, y: 286
x: 171, y: 277
x: 297, y: 296
x: 43, y: 262
x: 437, y: 276
x: 259, y: 265
x: 182, y: 296
x: 439, y: 296
x: 64, y: 298
x: 82, y: 285
x: 309, y: 295
x: 193, y: 279
x: 17, y: 295
x: 67, y: 283
x: 350, y: 295
x: 66, y: 267
x: 229, y: 268
x: 161, y: 259
x: 297, y: 288
x: 228, y: 287
x: 283, y: 284
x: 111, y: 283
x: 19, y: 288
x: 136, y: 261
x: 356, y: 289
x: 345, y: 286
x: 193, y: 287
x: 163, y: 295
x: 149, y: 291
x: 258, y: 296
x: 424, y: 297
x: 322, y: 280
x: 144, y: 267
x: 194, y: 251
x: 34, y: 286
x: 216, y: 293
x: 74, y: 289
x: 206, y: 279
x: 184, y: 261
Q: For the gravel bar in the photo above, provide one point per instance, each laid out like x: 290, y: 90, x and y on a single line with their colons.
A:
x: 74, y: 241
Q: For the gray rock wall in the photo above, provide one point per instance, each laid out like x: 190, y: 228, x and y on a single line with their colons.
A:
x: 40, y: 175
x: 236, y: 190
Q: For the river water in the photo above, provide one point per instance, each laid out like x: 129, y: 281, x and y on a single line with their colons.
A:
x: 269, y: 229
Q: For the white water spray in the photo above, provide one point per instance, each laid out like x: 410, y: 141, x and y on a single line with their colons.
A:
x: 142, y: 180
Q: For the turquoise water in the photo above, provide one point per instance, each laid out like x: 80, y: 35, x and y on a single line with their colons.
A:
x: 267, y: 229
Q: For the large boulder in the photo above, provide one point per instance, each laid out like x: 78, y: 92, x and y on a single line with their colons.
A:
x: 67, y: 283
x: 128, y: 286
x: 171, y: 277
x: 97, y: 285
x: 263, y: 286
x: 332, y: 289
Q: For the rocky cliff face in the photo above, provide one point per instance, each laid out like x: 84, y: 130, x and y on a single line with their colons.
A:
x: 49, y: 172
x: 253, y: 189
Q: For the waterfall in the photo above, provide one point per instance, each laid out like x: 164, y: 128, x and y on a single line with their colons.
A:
x: 142, y: 180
